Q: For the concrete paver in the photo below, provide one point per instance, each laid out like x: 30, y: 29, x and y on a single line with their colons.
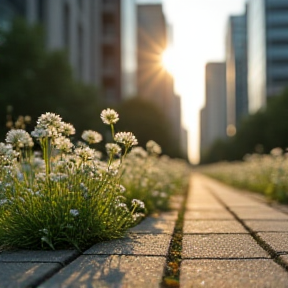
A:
x: 277, y: 241
x: 254, y: 273
x: 259, y: 214
x: 153, y: 225
x: 215, y: 214
x: 284, y: 258
x: 109, y: 271
x: 213, y: 226
x: 217, y: 250
x: 267, y: 226
x: 58, y: 256
x: 18, y: 274
x: 145, y: 244
x: 221, y: 246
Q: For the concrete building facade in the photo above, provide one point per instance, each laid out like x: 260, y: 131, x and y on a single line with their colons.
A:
x: 89, y: 30
x: 213, y: 115
x: 154, y: 82
x: 267, y: 50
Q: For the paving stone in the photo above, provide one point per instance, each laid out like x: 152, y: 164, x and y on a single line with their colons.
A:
x: 203, y: 205
x: 212, y: 226
x: 284, y: 258
x: 176, y: 202
x: 277, y: 241
x: 232, y: 273
x: 172, y: 215
x: 267, y: 226
x: 221, y: 246
x: 110, y: 272
x: 18, y: 275
x: 145, y: 244
x: 57, y: 256
x: 215, y: 214
x: 152, y: 225
x: 259, y: 214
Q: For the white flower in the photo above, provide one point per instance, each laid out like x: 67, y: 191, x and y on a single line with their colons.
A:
x: 122, y: 188
x: 57, y: 177
x: 91, y: 136
x: 49, y: 125
x: 19, y: 138
x: 276, y: 152
x: 137, y: 216
x: 139, y: 152
x: 112, y: 149
x: 68, y: 129
x: 3, y: 201
x: 63, y: 144
x: 39, y: 133
x: 74, y: 212
x: 49, y: 120
x: 153, y: 148
x: 109, y: 116
x: 6, y: 151
x: 137, y: 202
x: 86, y: 153
x: 126, y: 138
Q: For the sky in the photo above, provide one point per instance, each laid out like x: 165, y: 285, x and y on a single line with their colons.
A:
x: 198, y: 29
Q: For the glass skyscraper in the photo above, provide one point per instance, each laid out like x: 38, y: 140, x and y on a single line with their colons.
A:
x: 267, y: 50
x: 236, y: 72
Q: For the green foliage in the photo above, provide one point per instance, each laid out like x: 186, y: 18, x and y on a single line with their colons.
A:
x: 260, y: 132
x: 265, y: 174
x: 33, y: 80
x: 142, y: 179
x: 147, y: 122
x: 72, y: 196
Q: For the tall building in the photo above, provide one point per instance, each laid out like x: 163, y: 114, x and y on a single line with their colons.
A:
x: 151, y: 42
x: 91, y: 32
x: 267, y: 50
x: 236, y: 72
x: 154, y: 82
x: 213, y: 115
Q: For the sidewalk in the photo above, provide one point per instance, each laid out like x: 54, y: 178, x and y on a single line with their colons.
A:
x: 230, y: 239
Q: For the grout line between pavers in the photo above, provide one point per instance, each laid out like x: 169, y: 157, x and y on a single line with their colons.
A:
x: 274, y: 255
x: 172, y: 256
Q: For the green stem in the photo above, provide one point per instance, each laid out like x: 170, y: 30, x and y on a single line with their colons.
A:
x: 112, y: 131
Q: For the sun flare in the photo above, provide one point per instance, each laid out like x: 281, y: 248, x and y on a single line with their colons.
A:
x: 168, y: 60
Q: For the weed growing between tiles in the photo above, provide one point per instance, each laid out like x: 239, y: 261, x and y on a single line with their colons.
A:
x: 72, y: 195
x: 172, y: 268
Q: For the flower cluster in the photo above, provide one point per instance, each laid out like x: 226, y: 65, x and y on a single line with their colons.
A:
x: 91, y: 136
x: 51, y: 125
x: 70, y: 194
x: 126, y: 138
x: 153, y: 148
x: 19, y: 138
x: 109, y: 116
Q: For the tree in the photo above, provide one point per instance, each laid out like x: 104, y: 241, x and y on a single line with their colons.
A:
x: 147, y: 122
x: 34, y: 81
x: 266, y: 129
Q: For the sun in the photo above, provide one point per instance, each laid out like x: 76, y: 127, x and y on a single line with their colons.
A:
x: 168, y: 60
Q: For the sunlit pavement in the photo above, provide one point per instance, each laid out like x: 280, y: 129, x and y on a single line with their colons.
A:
x: 230, y: 239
